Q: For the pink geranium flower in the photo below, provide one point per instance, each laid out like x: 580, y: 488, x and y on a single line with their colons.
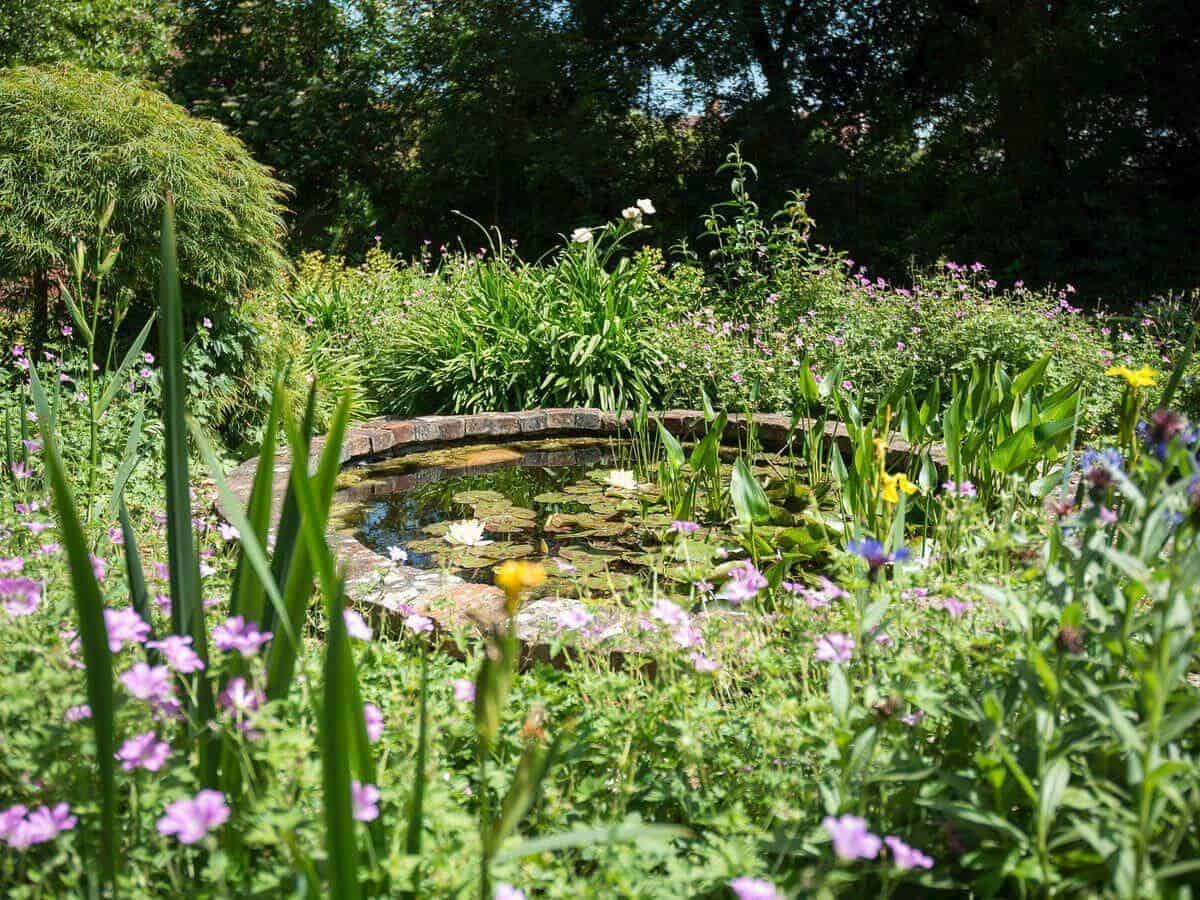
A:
x: 190, y: 819
x: 851, y: 839
x: 144, y: 751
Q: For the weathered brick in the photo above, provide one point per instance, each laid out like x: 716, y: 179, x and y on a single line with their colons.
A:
x: 531, y: 422
x: 490, y: 425
x: 440, y: 428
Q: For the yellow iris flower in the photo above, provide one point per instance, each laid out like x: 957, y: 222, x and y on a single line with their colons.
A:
x: 1143, y: 377
x: 514, y: 576
x: 893, y: 484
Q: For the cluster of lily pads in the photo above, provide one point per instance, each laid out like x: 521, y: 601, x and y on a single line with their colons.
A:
x: 612, y: 529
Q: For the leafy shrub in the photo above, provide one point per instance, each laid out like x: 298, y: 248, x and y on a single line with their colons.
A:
x: 500, y: 334
x: 72, y: 139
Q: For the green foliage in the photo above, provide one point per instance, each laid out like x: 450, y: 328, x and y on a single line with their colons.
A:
x: 72, y: 140
x: 132, y: 37
x: 507, y: 335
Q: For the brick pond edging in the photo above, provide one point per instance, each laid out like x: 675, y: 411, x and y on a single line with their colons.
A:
x: 380, y: 586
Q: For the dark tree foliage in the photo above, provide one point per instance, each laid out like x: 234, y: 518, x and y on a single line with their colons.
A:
x: 1053, y: 140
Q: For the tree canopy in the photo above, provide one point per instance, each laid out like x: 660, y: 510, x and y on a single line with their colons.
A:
x: 1050, y: 140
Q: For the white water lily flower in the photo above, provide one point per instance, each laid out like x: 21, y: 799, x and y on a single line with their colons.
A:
x: 646, y: 206
x: 466, y: 533
x: 622, y: 480
x: 581, y: 235
x: 631, y: 214
x: 398, y: 554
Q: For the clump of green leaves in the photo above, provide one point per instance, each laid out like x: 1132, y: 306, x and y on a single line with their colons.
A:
x: 71, y: 140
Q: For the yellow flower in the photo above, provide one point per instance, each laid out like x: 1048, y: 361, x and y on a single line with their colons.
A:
x: 892, y: 482
x: 1143, y: 377
x: 514, y: 576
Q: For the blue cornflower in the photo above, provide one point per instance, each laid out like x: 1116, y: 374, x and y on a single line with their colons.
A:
x: 876, y: 554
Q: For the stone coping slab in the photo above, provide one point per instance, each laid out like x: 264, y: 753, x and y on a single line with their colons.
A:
x: 385, y: 588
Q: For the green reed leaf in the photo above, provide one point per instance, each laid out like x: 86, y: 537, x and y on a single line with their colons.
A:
x: 93, y: 635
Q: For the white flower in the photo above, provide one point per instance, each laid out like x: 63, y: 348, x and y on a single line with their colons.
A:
x: 467, y: 533
x: 581, y: 235
x: 646, y: 206
x: 622, y: 480
x: 398, y: 554
x: 631, y: 214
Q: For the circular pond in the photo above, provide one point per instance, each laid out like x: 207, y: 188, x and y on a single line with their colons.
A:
x: 592, y: 510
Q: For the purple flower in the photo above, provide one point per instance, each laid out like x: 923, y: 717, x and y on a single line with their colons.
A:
x: 702, y: 663
x: 148, y: 683
x: 508, y: 892
x: 20, y: 470
x: 238, y: 634
x: 683, y: 526
x: 239, y: 698
x: 190, y: 819
x: 124, y: 626
x: 373, y: 717
x: 907, y: 857
x: 12, y: 565
x: 418, y: 623
x: 913, y: 718
x: 41, y: 825
x: 21, y: 596
x: 10, y: 819
x: 356, y: 626
x: 1100, y: 467
x: 77, y: 713
x: 145, y: 751
x: 464, y: 690
x: 668, y: 613
x: 874, y: 553
x: 835, y: 647
x: 365, y: 799
x: 954, y: 607
x: 99, y: 566
x: 850, y: 837
x: 744, y: 582
x: 960, y: 488
x: 177, y: 651
x: 228, y: 532
x: 574, y: 619
x: 747, y: 888
x: 687, y: 635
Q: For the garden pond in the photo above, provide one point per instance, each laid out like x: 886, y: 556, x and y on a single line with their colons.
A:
x: 582, y: 507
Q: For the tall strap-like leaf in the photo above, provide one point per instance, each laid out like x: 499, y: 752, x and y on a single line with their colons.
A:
x: 289, y: 517
x: 93, y: 635
x: 297, y: 589
x: 139, y: 597
x: 248, y: 594
x: 187, y: 609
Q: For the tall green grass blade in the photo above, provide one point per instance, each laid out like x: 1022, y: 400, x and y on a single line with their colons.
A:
x: 139, y: 597
x: 117, y: 379
x: 343, y: 729
x: 1177, y: 372
x: 129, y: 460
x: 297, y: 589
x: 187, y: 610
x: 341, y: 843
x: 416, y: 809
x: 248, y: 595
x: 250, y: 546
x: 93, y: 635
x: 286, y: 535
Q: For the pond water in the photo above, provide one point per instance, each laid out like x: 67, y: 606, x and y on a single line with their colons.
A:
x: 551, y: 501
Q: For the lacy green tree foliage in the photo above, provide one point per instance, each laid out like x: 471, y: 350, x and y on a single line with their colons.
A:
x: 71, y: 139
x: 128, y: 36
